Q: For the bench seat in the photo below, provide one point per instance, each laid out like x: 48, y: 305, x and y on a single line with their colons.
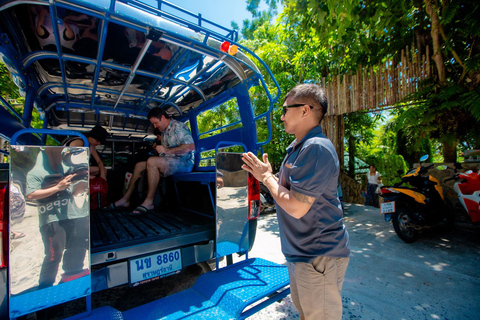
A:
x: 203, y: 177
x: 220, y: 294
x: 207, y: 176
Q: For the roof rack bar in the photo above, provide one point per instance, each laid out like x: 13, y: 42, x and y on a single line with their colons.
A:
x: 140, y: 56
x: 53, y: 16
x: 232, y: 34
x: 153, y: 92
x: 101, y: 45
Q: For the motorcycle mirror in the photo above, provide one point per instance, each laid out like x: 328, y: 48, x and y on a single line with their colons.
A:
x: 424, y: 158
x: 441, y: 167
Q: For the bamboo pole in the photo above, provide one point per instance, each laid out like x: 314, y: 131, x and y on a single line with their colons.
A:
x: 348, y: 101
x: 358, y: 101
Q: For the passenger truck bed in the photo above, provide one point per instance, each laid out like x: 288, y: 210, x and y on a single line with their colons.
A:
x: 117, y: 229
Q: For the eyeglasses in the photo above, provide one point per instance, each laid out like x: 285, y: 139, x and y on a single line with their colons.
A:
x: 295, y: 106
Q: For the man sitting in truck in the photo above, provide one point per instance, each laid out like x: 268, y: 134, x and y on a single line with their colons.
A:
x: 175, y: 155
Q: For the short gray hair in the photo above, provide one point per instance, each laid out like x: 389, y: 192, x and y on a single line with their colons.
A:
x: 314, y: 94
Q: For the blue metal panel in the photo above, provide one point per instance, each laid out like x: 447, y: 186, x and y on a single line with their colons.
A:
x: 10, y: 125
x: 36, y: 300
x: 249, y: 137
x: 220, y: 294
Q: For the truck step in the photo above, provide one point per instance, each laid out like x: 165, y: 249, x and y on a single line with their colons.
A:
x: 220, y: 294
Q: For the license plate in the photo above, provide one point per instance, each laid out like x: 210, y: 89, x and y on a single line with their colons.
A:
x: 387, y: 207
x: 155, y: 266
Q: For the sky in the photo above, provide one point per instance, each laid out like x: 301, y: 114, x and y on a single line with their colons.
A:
x: 222, y: 12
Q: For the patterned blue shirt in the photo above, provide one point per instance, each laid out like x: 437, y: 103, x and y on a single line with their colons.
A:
x: 177, y: 134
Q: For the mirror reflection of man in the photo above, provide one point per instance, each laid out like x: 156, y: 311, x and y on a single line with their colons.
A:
x: 63, y: 220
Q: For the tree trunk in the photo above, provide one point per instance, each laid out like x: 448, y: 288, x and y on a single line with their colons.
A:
x: 351, y: 156
x: 432, y: 7
x: 450, y: 151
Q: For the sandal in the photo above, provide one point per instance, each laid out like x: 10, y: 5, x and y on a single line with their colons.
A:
x: 17, y: 235
x: 113, y: 206
x: 141, y: 210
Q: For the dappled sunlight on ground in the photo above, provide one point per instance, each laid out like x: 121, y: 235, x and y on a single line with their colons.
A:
x: 435, y: 277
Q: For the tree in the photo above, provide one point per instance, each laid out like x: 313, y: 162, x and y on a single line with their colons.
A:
x: 328, y: 37
x: 358, y: 127
x: 8, y: 89
x: 258, y: 17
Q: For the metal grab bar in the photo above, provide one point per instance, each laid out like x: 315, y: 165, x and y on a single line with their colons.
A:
x: 50, y: 132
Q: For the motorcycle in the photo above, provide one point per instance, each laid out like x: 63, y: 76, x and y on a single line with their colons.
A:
x: 413, y: 209
x: 467, y: 187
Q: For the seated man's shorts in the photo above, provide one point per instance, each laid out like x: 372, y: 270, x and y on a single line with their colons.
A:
x: 176, y: 165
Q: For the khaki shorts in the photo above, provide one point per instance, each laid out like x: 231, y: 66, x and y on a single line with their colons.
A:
x: 315, y: 287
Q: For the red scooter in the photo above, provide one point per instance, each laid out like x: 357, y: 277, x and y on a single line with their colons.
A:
x: 467, y: 188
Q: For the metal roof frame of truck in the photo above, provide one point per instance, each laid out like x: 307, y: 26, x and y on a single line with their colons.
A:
x: 124, y: 58
x: 103, y: 79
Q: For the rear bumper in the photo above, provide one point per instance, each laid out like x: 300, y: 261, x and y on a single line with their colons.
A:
x: 117, y: 273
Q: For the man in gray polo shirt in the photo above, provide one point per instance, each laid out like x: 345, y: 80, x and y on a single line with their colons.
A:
x: 313, y: 237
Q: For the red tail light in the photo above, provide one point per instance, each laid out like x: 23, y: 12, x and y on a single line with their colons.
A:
x: 225, y: 45
x: 253, y: 197
x: 388, y: 190
x: 383, y: 191
x: 3, y: 226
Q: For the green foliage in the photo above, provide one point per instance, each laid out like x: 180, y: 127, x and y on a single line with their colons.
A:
x: 323, y: 38
x: 352, y: 32
x: 258, y: 17
x: 358, y: 132
x: 388, y: 166
x: 471, y: 102
x: 10, y: 92
x: 8, y: 89
x: 360, y: 126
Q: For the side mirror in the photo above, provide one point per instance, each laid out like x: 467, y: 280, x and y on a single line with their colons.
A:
x: 441, y: 167
x: 424, y: 158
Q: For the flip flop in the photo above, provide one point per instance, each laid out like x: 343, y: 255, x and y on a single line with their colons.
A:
x: 141, y: 210
x: 113, y: 206
x: 17, y: 235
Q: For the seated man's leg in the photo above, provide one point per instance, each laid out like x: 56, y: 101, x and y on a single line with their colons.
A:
x: 156, y: 167
x: 137, y: 171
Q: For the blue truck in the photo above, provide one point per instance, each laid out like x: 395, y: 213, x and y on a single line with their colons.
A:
x: 85, y: 63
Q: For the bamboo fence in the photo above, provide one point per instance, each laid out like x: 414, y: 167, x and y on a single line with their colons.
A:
x: 372, y: 89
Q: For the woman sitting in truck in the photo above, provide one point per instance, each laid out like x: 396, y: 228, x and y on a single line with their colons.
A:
x: 97, y: 136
